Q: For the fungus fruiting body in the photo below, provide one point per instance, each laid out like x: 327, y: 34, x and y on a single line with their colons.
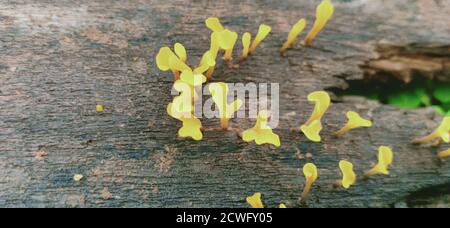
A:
x: 180, y: 51
x: 99, y: 108
x: 441, y: 133
x: 167, y: 60
x: 324, y: 12
x: 348, y: 175
x: 310, y: 172
x: 354, y: 121
x: 385, y: 158
x: 214, y: 24
x: 263, y: 31
x: 255, y: 200
x: 313, y: 126
x: 246, y: 39
x: 227, y: 40
x: 444, y: 154
x: 282, y: 205
x: 292, y: 37
x: 219, y: 93
x: 77, y: 177
x: 261, y: 133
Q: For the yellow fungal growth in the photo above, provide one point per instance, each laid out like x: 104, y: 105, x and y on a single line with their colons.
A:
x: 313, y: 126
x: 255, y: 200
x: 354, y: 121
x: 99, y: 108
x: 310, y: 172
x: 246, y: 39
x: 192, y: 127
x: 292, y: 37
x: 206, y: 62
x: 441, y: 133
x: 219, y: 93
x: 214, y: 24
x: 77, y: 177
x: 261, y: 133
x: 282, y: 205
x: 322, y: 102
x: 444, y: 154
x: 182, y: 105
x: 180, y: 51
x: 385, y: 158
x: 348, y: 175
x: 324, y: 12
x: 213, y: 50
x: 312, y: 131
x: 162, y: 61
x: 263, y: 31
x: 227, y: 40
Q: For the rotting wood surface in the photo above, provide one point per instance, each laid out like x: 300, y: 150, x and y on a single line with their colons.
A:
x: 58, y: 59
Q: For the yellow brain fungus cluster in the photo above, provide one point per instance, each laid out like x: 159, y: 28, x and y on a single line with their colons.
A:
x: 292, y: 37
x: 348, y: 175
x: 219, y: 93
x: 354, y: 121
x: 313, y: 126
x: 310, y: 172
x: 441, y: 133
x: 261, y: 133
x: 385, y: 159
x: 324, y: 12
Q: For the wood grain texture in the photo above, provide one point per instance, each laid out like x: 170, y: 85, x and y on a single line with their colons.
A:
x: 58, y: 59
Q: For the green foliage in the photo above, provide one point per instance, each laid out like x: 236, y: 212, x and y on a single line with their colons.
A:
x: 405, y: 99
x: 442, y: 92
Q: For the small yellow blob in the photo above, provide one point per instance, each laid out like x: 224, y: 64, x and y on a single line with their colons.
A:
x: 227, y: 40
x: 312, y: 131
x: 180, y: 51
x: 310, y: 172
x: 324, y: 12
x: 322, y: 102
x: 261, y: 133
x: 214, y: 50
x: 191, y: 128
x: 162, y: 58
x: 213, y: 23
x: 385, y: 158
x: 441, y: 133
x: 191, y: 78
x: 292, y: 37
x: 77, y: 177
x: 348, y: 175
x: 263, y: 31
x: 246, y: 39
x: 99, y: 108
x: 255, y: 200
x: 354, y: 121
x: 206, y: 62
x: 444, y: 154
x: 182, y: 105
x: 167, y: 60
x: 282, y: 205
x: 219, y: 93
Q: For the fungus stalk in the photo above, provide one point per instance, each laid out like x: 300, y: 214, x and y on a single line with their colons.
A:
x: 442, y: 132
x: 263, y: 31
x: 324, y: 12
x: 354, y: 121
x: 246, y: 39
x: 310, y: 172
x: 227, y: 40
x: 292, y: 37
x: 219, y: 93
x: 385, y: 158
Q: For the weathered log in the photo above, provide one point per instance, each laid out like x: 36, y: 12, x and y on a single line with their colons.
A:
x: 58, y: 59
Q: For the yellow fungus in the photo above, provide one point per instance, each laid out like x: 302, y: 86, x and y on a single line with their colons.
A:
x: 441, y: 133
x: 292, y: 37
x: 227, y: 40
x: 77, y: 177
x: 261, y: 133
x: 246, y: 39
x: 444, y: 154
x: 180, y: 51
x: 99, y: 108
x: 348, y: 175
x: 310, y: 172
x: 385, y: 158
x: 282, y: 205
x: 263, y: 31
x: 214, y: 49
x: 206, y: 62
x: 324, y: 12
x: 192, y: 78
x: 354, y: 121
x: 312, y: 131
x: 214, y: 24
x: 162, y: 61
x: 219, y: 93
x: 255, y: 200
x: 191, y: 128
x: 322, y: 102
x: 182, y: 105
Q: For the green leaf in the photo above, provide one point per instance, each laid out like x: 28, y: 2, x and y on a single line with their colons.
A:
x: 439, y: 110
x: 405, y: 99
x: 424, y: 98
x: 442, y: 92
